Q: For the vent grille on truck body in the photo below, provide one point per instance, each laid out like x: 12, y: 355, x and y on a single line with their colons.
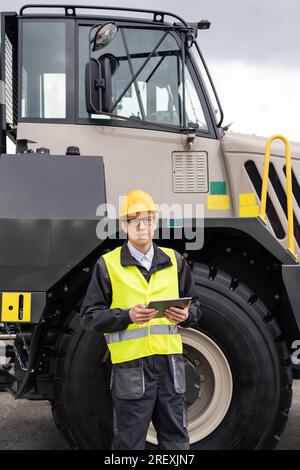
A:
x: 190, y: 172
x: 11, y: 79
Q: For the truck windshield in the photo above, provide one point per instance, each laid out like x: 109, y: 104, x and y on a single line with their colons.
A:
x: 156, y: 94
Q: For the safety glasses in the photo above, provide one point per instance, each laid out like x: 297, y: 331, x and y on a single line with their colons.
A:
x: 136, y: 221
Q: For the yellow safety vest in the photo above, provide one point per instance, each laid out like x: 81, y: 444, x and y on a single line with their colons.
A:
x: 129, y: 287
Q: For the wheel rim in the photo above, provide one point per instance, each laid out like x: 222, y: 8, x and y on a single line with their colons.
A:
x: 212, y: 385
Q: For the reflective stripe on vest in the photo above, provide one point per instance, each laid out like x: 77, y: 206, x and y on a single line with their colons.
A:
x: 141, y: 332
x: 129, y: 287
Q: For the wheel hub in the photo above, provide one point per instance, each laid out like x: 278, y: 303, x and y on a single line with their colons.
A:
x: 193, y: 383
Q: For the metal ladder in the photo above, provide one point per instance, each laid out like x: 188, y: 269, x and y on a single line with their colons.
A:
x: 289, y: 190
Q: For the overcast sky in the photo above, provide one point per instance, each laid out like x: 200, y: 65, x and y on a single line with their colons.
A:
x: 253, y: 52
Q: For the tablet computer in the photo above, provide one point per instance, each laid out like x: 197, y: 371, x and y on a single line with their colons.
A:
x: 161, y: 305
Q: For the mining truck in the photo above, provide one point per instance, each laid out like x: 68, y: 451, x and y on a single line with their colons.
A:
x: 97, y: 101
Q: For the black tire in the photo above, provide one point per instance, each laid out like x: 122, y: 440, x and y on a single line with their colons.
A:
x: 246, y: 332
x: 242, y: 327
x: 81, y: 401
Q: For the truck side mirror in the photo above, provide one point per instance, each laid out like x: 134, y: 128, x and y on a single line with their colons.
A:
x: 98, y: 83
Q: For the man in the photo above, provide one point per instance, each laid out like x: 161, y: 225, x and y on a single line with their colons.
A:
x: 148, y: 378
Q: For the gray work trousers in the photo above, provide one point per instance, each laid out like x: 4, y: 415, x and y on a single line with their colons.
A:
x: 149, y: 388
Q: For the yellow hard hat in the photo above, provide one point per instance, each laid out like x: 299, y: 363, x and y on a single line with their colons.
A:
x: 137, y: 200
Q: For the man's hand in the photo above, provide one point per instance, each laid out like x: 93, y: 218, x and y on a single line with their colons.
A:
x: 140, y: 314
x: 176, y: 314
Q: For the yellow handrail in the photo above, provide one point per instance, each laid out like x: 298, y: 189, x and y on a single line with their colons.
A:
x: 289, y: 193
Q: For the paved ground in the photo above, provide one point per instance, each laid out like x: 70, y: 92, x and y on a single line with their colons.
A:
x: 29, y: 425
